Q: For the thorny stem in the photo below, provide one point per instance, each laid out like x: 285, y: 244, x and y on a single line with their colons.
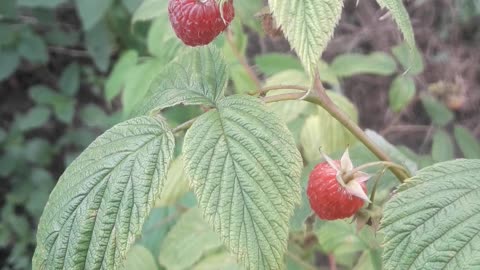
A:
x: 319, y: 96
x: 242, y: 59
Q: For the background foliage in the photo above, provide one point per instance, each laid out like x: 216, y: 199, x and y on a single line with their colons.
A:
x: 69, y: 70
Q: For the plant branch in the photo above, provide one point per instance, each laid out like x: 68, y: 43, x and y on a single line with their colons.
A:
x: 243, y: 61
x: 319, y: 96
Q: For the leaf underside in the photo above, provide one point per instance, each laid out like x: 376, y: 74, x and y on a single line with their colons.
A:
x: 244, y: 168
x: 432, y: 223
x: 198, y: 77
x: 308, y: 26
x: 101, y: 201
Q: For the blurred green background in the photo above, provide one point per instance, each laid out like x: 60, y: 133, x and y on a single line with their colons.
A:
x: 69, y: 70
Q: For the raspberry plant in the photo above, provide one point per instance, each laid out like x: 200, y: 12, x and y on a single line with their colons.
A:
x: 243, y: 164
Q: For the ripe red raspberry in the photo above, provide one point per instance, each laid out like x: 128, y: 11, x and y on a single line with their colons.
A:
x: 330, y: 196
x: 198, y: 22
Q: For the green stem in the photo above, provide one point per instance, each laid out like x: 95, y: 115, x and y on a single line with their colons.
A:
x: 387, y: 164
x: 319, y: 96
x: 280, y: 87
x: 374, y: 189
x: 184, y: 125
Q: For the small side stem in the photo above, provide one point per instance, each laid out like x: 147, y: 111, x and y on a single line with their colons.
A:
x: 374, y: 189
x: 184, y: 125
x: 386, y: 164
x: 280, y: 87
x: 319, y: 96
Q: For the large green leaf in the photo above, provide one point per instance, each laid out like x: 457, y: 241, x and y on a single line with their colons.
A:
x: 432, y: 222
x: 101, y: 201
x: 197, y: 77
x: 244, y: 168
x: 308, y: 26
x: 188, y: 241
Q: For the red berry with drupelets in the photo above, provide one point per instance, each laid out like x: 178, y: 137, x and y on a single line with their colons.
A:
x: 333, y: 192
x: 198, y: 22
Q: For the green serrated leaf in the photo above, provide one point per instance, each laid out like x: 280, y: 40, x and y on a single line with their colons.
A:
x: 401, y: 93
x: 188, y: 241
x: 401, y: 17
x: 467, y: 143
x: 197, y: 77
x: 244, y: 168
x: 442, y: 146
x: 308, y: 26
x: 350, y: 64
x: 432, y: 222
x: 100, y: 203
